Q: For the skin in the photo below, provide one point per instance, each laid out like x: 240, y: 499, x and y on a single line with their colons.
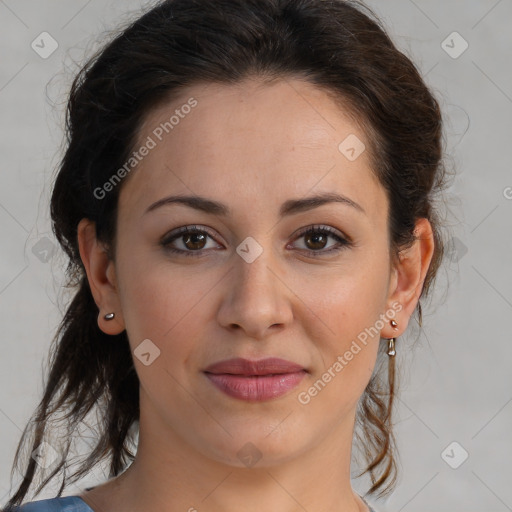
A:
x: 252, y: 147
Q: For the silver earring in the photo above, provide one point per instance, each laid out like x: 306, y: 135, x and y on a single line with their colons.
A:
x: 391, y: 347
x: 391, y: 341
x: 109, y: 316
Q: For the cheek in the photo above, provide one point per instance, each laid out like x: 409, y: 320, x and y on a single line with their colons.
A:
x: 348, y: 298
x: 158, y: 308
x: 346, y: 354
x: 162, y: 303
x: 346, y: 329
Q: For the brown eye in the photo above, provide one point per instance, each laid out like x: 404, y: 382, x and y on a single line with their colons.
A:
x: 316, y: 240
x: 192, y: 238
x: 197, y: 240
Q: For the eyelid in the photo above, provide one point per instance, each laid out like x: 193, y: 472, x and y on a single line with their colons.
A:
x: 176, y: 233
x: 323, y: 227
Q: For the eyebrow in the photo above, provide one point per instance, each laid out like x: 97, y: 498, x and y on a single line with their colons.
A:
x: 289, y: 207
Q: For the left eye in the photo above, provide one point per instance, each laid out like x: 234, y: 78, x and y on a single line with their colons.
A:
x: 319, y: 236
x: 194, y: 239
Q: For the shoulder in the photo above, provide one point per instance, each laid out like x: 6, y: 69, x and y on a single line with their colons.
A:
x: 65, y: 504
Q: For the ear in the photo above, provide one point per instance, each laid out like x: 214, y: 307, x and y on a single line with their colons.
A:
x: 101, y: 275
x: 408, y: 276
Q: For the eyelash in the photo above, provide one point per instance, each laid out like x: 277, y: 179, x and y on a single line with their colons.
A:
x: 326, y: 230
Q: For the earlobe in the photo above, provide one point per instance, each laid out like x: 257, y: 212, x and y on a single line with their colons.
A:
x: 100, y: 270
x: 410, y: 272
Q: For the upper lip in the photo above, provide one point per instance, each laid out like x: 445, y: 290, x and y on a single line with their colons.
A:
x: 241, y: 366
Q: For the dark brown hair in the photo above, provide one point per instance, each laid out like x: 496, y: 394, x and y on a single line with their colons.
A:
x: 337, y: 45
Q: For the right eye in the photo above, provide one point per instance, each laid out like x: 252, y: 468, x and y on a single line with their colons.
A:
x: 193, y: 239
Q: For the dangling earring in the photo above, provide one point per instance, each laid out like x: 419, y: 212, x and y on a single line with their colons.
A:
x: 391, y: 341
x: 109, y: 316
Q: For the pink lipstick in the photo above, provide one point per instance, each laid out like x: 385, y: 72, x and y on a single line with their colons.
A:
x: 255, y: 380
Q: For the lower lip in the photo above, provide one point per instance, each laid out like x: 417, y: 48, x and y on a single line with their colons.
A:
x: 256, y: 388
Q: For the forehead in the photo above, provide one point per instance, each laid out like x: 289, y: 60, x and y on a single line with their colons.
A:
x: 253, y: 143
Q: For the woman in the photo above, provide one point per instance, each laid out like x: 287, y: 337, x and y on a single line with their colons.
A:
x: 246, y: 200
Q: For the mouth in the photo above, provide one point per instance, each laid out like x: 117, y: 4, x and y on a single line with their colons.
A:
x: 255, y: 381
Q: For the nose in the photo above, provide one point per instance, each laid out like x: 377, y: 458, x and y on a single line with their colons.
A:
x: 256, y: 299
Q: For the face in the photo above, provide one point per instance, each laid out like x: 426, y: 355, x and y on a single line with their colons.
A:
x: 248, y: 282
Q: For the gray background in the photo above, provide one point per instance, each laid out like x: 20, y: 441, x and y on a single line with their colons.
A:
x: 455, y: 376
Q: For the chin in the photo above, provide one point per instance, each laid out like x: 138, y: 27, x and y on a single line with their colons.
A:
x: 257, y: 446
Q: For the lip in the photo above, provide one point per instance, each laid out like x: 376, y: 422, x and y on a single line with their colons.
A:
x: 255, y: 381
x: 241, y: 366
